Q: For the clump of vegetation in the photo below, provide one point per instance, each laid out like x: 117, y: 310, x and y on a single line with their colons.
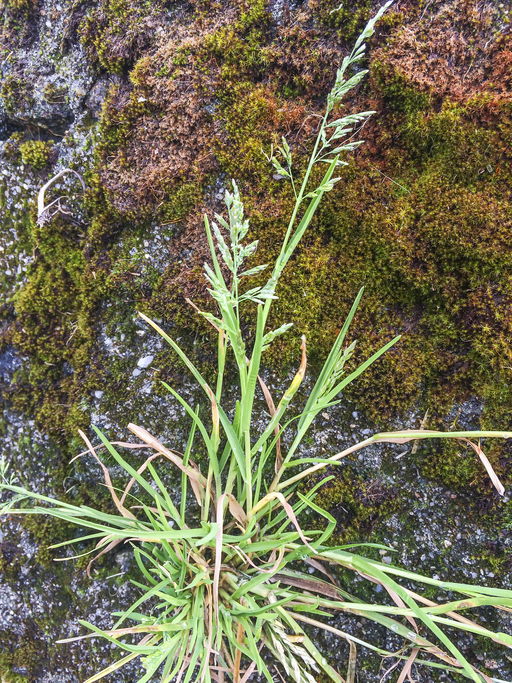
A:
x: 226, y: 570
x: 17, y: 5
x: 36, y: 153
x: 15, y: 93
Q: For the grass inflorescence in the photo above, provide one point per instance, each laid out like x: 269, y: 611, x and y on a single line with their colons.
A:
x: 226, y: 590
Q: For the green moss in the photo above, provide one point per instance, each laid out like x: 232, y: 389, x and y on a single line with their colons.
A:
x: 12, y: 146
x: 17, y: 6
x: 357, y: 503
x: 7, y: 675
x: 420, y: 217
x: 15, y: 94
x: 348, y: 20
x: 36, y: 153
x: 398, y: 92
x: 54, y: 94
x: 115, y: 32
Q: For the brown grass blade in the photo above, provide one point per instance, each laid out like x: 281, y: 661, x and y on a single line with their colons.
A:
x: 252, y: 665
x: 105, y: 550
x: 218, y: 560
x: 272, y: 410
x: 124, y: 444
x: 240, y: 632
x: 406, y: 671
x: 208, y: 618
x: 312, y: 585
x: 490, y: 471
x: 215, y: 416
x: 192, y: 474
x: 321, y: 568
x: 260, y: 568
x: 139, y: 471
x: 237, y: 510
x: 124, y: 512
x: 352, y: 657
x: 288, y: 509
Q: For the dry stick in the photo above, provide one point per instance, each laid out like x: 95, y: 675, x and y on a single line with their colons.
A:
x: 406, y: 671
x: 41, y: 208
x: 351, y: 671
x: 423, y: 424
x: 124, y: 512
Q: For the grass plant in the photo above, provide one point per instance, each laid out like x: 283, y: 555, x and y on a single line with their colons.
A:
x: 231, y: 594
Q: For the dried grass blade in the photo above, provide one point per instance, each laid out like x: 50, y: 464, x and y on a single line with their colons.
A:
x: 106, y: 550
x: 272, y: 411
x: 237, y: 510
x: 139, y: 471
x: 192, y: 474
x: 423, y: 424
x: 321, y: 568
x: 124, y: 444
x: 260, y: 568
x: 490, y: 471
x: 312, y: 585
x: 208, y: 618
x: 124, y: 512
x: 351, y: 671
x: 288, y: 509
x: 218, y: 562
x: 406, y: 671
x: 248, y: 672
x: 240, y: 631
x: 215, y: 418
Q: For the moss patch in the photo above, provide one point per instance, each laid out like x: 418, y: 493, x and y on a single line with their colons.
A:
x: 421, y: 216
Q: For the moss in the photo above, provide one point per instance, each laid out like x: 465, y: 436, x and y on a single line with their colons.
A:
x: 7, y: 674
x: 115, y: 32
x: 18, y: 5
x: 401, y: 95
x: 421, y: 216
x: 55, y: 94
x: 12, y: 146
x: 15, y: 94
x: 36, y: 153
x: 357, y: 503
x: 346, y: 18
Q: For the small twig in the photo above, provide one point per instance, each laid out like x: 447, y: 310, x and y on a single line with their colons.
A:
x: 423, y: 424
x: 386, y: 176
x: 43, y: 213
